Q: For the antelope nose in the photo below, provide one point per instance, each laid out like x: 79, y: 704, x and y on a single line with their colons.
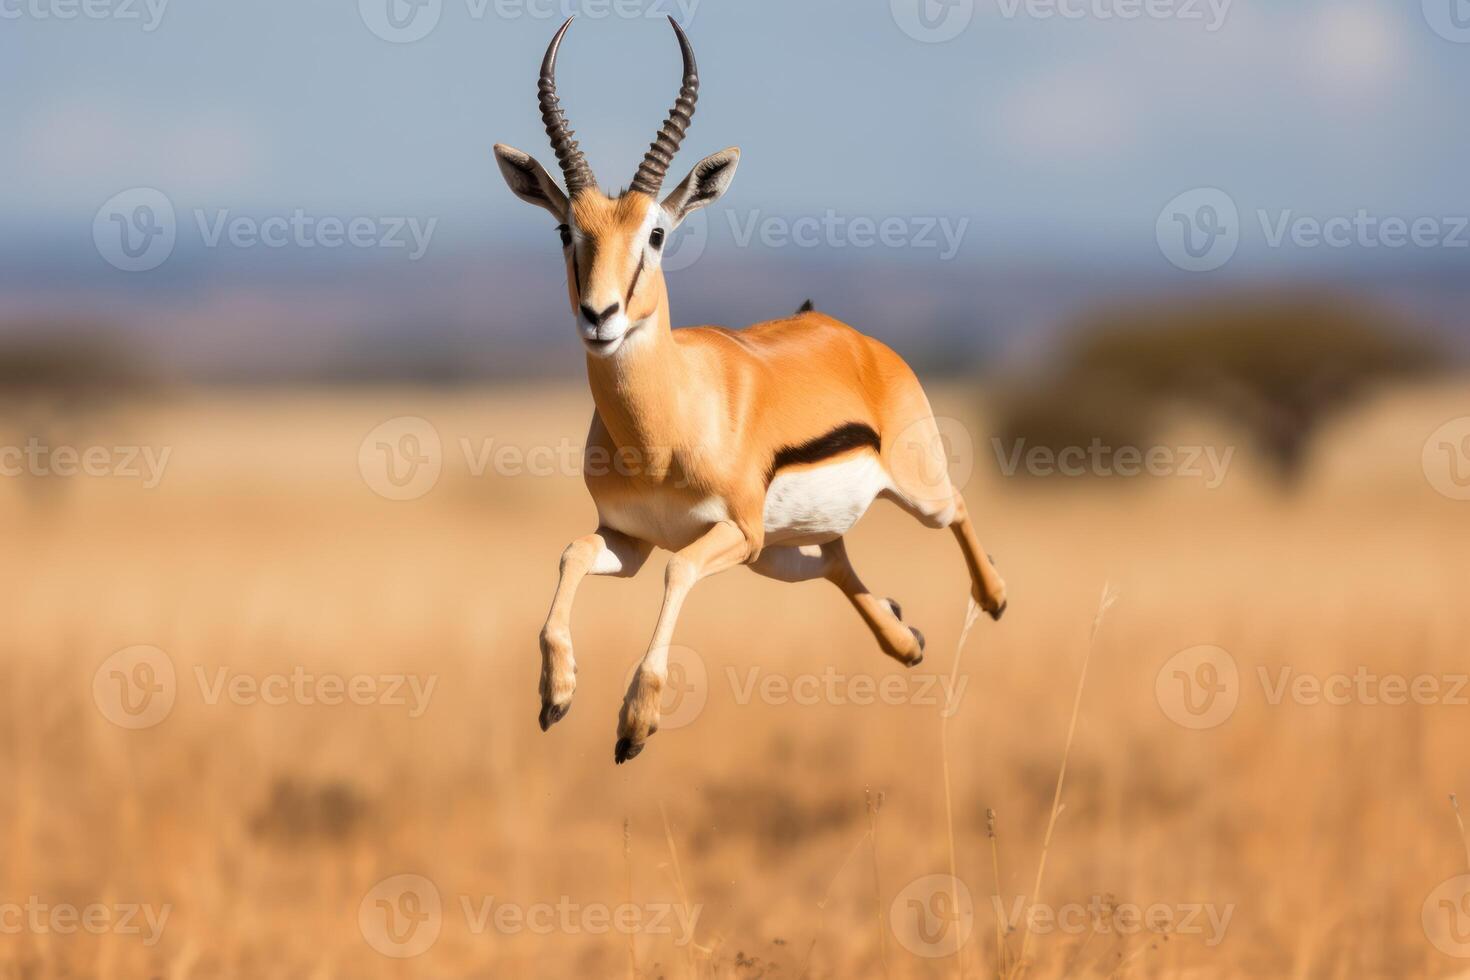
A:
x: 598, y: 319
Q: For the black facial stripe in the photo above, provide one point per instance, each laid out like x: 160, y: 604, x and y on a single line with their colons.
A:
x: 576, y: 271
x: 634, y: 285
x: 853, y: 435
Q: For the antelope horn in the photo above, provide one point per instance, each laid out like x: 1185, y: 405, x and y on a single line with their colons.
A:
x: 655, y: 165
x: 574, y: 166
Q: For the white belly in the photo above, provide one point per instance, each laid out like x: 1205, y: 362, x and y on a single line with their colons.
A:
x: 816, y: 504
x: 669, y: 520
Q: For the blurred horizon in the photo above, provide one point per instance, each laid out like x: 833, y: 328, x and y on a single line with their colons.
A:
x: 1031, y: 166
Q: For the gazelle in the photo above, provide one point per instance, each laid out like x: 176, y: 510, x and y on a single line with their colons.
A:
x: 760, y: 446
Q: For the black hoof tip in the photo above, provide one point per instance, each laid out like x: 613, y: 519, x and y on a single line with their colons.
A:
x: 1001, y: 611
x: 894, y: 608
x: 553, y: 713
x: 626, y: 749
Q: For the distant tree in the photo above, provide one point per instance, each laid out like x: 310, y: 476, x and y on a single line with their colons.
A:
x: 1277, y: 366
x: 56, y: 379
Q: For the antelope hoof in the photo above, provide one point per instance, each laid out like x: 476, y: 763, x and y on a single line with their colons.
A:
x: 640, y: 715
x: 553, y: 713
x: 626, y: 749
x: 994, y: 603
x: 920, y: 637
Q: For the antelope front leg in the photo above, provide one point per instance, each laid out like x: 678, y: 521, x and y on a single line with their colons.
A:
x: 604, y: 552
x: 722, y: 547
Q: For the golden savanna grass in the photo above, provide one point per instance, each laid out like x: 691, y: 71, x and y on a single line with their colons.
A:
x: 793, y: 824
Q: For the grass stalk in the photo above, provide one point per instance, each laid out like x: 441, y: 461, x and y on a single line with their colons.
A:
x: 1103, y: 605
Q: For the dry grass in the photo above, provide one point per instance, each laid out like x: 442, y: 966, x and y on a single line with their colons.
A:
x: 1324, y: 828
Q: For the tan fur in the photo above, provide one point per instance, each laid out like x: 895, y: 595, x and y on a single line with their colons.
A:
x: 694, y: 419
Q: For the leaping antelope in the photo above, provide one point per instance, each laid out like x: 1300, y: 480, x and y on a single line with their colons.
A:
x: 760, y: 446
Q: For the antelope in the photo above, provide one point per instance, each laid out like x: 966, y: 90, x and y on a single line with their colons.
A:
x: 759, y: 447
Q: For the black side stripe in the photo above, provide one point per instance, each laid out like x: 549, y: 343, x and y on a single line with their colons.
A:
x: 853, y: 435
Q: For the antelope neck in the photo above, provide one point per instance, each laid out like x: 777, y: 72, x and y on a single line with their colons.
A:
x: 638, y: 390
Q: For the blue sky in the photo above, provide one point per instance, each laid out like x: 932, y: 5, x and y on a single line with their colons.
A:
x: 1051, y: 132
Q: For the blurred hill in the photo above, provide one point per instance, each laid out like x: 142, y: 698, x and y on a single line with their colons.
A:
x: 486, y: 312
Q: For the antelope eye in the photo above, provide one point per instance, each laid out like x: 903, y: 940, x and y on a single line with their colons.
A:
x: 656, y: 239
x: 566, y: 235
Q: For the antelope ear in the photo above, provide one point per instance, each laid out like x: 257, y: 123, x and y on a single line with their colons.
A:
x: 709, y: 179
x: 529, y: 180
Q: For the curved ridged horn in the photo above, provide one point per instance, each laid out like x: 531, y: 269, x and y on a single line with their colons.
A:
x: 573, y: 161
x: 650, y: 176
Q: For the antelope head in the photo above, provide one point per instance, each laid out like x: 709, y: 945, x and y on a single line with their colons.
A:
x: 613, y: 245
